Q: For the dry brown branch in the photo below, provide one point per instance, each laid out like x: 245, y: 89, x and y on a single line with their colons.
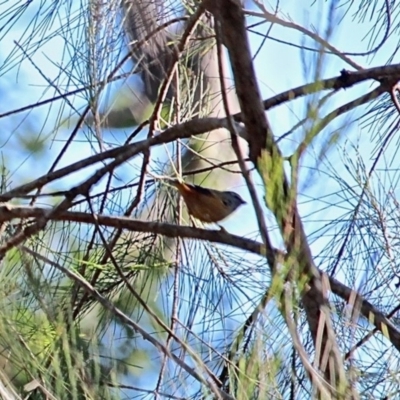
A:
x: 108, y: 242
x: 9, y: 212
x: 123, y: 153
x: 344, y: 80
x: 263, y: 149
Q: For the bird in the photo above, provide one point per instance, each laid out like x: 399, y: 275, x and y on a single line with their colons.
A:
x: 208, y: 205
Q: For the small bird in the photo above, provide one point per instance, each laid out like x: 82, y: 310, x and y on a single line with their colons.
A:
x: 208, y: 205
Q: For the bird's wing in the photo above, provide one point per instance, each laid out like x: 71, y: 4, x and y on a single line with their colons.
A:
x: 187, y: 187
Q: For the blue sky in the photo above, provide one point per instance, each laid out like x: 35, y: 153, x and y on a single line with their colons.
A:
x: 278, y: 67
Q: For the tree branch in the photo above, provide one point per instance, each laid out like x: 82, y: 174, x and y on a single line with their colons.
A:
x: 266, y: 156
x: 9, y: 212
x: 123, y: 153
x: 129, y: 322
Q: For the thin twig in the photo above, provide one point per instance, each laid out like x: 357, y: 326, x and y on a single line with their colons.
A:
x: 193, y: 371
x: 275, y: 19
x: 111, y: 78
x: 122, y: 153
x: 266, y: 155
x: 9, y: 212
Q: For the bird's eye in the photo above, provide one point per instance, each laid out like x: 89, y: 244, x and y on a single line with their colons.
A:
x: 226, y: 201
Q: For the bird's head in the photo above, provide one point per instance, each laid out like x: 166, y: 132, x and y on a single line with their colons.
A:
x: 232, y: 200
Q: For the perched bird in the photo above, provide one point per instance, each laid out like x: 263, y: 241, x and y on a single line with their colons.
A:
x: 208, y: 205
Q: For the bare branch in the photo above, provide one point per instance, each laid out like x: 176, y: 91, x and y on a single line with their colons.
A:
x: 9, y: 212
x: 123, y: 153
x: 267, y: 158
x: 128, y: 321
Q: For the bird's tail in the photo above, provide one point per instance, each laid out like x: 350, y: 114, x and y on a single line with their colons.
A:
x: 180, y: 185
